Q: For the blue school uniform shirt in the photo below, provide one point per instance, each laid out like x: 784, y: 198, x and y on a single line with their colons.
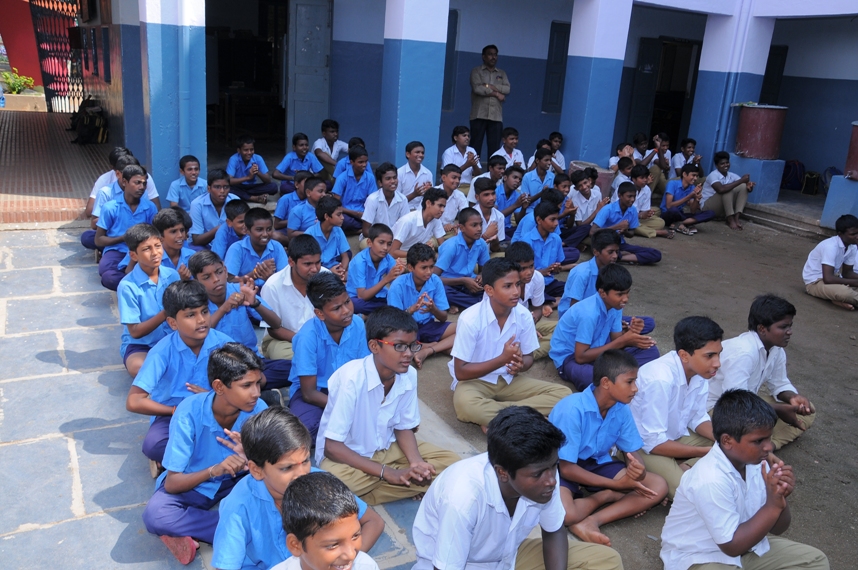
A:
x: 316, y: 353
x: 580, y: 284
x: 589, y: 322
x: 675, y: 189
x: 241, y: 258
x: 181, y: 193
x: 532, y: 185
x: 545, y: 251
x: 343, y: 165
x: 363, y: 273
x: 140, y: 299
x: 204, y: 216
x: 106, y: 194
x: 285, y: 205
x: 503, y: 202
x: 352, y: 191
x: 116, y: 217
x: 224, y: 237
x: 292, y: 164
x: 332, y: 246
x: 171, y: 363
x: 250, y: 533
x: 456, y: 259
x: 236, y: 323
x: 184, y: 256
x: 302, y: 217
x: 588, y: 434
x: 236, y: 168
x: 612, y: 214
x: 193, y: 444
x: 403, y: 294
x: 527, y: 223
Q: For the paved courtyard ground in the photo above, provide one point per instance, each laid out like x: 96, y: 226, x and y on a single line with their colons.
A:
x: 76, y: 482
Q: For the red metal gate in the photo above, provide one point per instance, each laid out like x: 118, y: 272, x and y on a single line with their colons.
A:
x: 61, y: 66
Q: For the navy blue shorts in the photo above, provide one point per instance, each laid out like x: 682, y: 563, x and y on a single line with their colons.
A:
x: 607, y: 470
x: 431, y: 331
x: 133, y: 349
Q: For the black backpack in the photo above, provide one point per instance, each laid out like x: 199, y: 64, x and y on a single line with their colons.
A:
x: 91, y: 127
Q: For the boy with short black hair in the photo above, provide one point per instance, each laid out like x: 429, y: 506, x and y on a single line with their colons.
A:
x: 624, y: 171
x: 336, y: 253
x: 302, y: 216
x: 250, y: 527
x: 244, y: 168
x: 140, y: 296
x: 189, y: 186
x: 291, y: 200
x: 586, y: 202
x: 595, y: 421
x: 725, y: 192
x: 508, y: 150
x: 480, y: 512
x: 657, y: 159
x: 649, y: 218
x: 353, y: 188
x: 460, y: 257
x: 456, y: 201
x: 548, y: 248
x: 670, y: 407
x: 494, y: 172
x: 233, y: 228
x: 557, y: 159
x: 385, y: 205
x: 829, y: 272
x: 256, y: 256
x: 200, y: 470
x: 366, y: 436
x: 533, y: 294
x: 421, y: 226
x: 343, y: 163
x: 207, y: 211
x: 684, y: 156
x: 581, y: 282
x: 681, y: 202
x: 170, y: 222
x: 510, y: 200
x: 463, y: 156
x: 108, y: 187
x: 414, y: 178
x: 372, y: 270
x: 623, y: 149
x: 756, y: 358
x: 328, y: 148
x: 622, y: 217
x: 324, y: 343
x: 540, y: 178
x: 495, y: 341
x: 493, y: 222
x: 297, y: 160
x: 731, y: 499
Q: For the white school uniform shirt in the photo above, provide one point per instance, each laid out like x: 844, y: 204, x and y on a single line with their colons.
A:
x: 511, y: 159
x: 831, y: 251
x: 556, y: 157
x: 715, y: 176
x: 358, y: 412
x: 710, y: 504
x: 340, y: 148
x: 456, y: 202
x: 362, y: 561
x: 376, y: 210
x: 453, y: 156
x: 533, y: 291
x: 667, y: 155
x: 293, y: 308
x: 615, y: 159
x: 615, y: 185
x: 586, y: 206
x: 410, y: 229
x: 479, y: 338
x: 109, y: 178
x: 745, y: 365
x: 408, y: 180
x: 678, y: 161
x: 472, y: 194
x: 643, y: 201
x: 495, y: 216
x: 667, y: 406
x: 463, y: 521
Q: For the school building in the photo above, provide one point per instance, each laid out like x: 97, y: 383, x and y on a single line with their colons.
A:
x: 182, y: 76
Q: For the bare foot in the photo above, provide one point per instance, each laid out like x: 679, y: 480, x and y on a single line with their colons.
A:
x: 419, y: 357
x: 733, y: 225
x: 588, y: 531
x: 453, y: 310
x: 261, y: 199
x: 847, y: 306
x: 485, y: 429
x: 418, y: 497
x: 184, y: 548
x: 665, y: 502
x: 640, y: 514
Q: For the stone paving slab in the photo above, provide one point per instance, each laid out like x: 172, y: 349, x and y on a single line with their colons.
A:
x: 21, y: 355
x: 51, y: 313
x: 80, y: 279
x: 93, y: 348
x: 18, y: 283
x: 64, y: 255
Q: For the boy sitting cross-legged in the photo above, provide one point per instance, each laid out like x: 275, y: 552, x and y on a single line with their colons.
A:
x: 302, y: 216
x: 336, y: 253
x: 366, y: 436
x: 372, y: 270
x: 173, y: 224
x: 622, y: 217
x: 201, y: 469
x: 256, y: 256
x: 233, y: 228
x: 829, y: 272
x: 250, y: 531
x: 594, y: 421
x: 421, y: 293
x: 533, y: 295
x: 731, y: 499
x: 207, y: 211
x: 458, y: 259
x: 548, y: 248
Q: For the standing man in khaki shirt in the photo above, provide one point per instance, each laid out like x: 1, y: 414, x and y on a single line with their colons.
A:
x: 489, y: 88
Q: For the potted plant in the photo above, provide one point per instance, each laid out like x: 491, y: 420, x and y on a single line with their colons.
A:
x: 19, y: 94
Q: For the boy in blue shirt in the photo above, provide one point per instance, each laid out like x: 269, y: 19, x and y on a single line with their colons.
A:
x: 189, y: 185
x: 581, y: 282
x: 302, y: 216
x: 201, y: 469
x: 290, y: 200
x: 140, y: 296
x: 207, y: 211
x: 324, y: 343
x: 594, y: 421
x: 622, y: 217
x: 249, y: 531
x: 116, y: 217
x: 353, y: 187
x: 244, y: 168
x: 256, y: 255
x: 336, y: 254
x: 87, y: 238
x: 681, y: 202
x: 372, y: 270
x: 299, y: 159
x: 538, y: 179
x: 105, y: 194
x: 457, y: 258
x: 547, y: 248
x: 595, y: 325
x: 421, y: 293
x: 233, y: 228
x: 174, y: 234
x: 510, y: 200
x: 343, y: 163
x: 175, y: 367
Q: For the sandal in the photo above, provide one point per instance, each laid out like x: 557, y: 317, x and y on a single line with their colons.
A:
x: 684, y: 231
x: 692, y: 230
x: 670, y: 234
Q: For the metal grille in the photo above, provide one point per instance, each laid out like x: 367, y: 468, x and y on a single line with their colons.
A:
x: 61, y: 66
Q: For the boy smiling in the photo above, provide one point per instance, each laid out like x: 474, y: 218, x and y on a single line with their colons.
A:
x: 256, y: 256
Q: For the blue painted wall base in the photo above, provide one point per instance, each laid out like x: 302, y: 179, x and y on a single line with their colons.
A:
x: 766, y: 173
x: 842, y: 199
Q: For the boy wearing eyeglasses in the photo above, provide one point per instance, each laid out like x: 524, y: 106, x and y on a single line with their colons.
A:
x: 366, y: 435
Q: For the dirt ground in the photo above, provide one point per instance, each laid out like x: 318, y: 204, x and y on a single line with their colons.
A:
x: 717, y: 273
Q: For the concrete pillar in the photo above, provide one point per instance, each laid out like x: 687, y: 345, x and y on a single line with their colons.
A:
x: 172, y: 38
x: 594, y: 69
x: 732, y: 65
x: 412, y: 80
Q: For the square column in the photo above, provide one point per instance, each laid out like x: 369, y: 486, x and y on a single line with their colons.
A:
x: 412, y: 80
x: 172, y: 38
x: 594, y: 69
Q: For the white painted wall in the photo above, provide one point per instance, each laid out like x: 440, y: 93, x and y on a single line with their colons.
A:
x: 653, y: 22
x: 825, y: 48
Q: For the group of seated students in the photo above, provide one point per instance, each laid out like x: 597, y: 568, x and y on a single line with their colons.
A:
x: 192, y: 288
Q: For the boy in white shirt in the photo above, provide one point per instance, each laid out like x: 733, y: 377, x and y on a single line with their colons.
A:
x: 366, y: 435
x: 385, y: 205
x: 328, y: 148
x: 414, y: 178
x: 731, y: 499
x: 508, y: 150
x: 533, y: 294
x: 586, y: 202
x: 557, y: 158
x: 624, y: 169
x: 686, y: 156
x: 421, y: 226
x: 756, y: 358
x: 670, y: 407
x: 649, y: 218
x: 829, y: 270
x: 495, y: 171
x: 623, y: 149
x: 463, y: 156
x: 725, y: 192
x: 456, y: 200
x: 479, y: 513
x: 657, y: 159
x: 495, y: 342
